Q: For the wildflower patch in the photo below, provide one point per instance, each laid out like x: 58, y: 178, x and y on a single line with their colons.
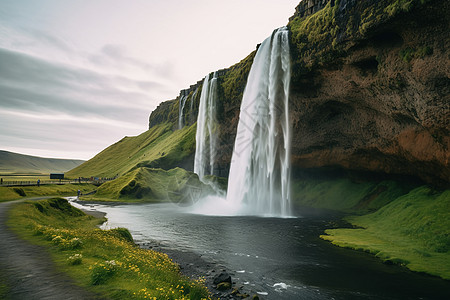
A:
x: 105, y: 261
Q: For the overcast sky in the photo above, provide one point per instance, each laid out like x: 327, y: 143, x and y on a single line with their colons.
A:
x: 78, y: 75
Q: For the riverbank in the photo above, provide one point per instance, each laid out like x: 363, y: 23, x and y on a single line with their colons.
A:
x: 277, y: 258
x: 28, y: 271
x: 192, y: 264
x: 399, y: 221
x: 412, y: 231
x: 195, y: 265
x: 105, y: 262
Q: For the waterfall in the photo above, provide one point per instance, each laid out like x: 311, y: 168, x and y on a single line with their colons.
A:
x: 192, y: 100
x: 260, y: 167
x: 182, y: 103
x: 206, y: 136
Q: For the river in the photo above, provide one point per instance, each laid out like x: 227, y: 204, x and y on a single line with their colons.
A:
x: 277, y: 258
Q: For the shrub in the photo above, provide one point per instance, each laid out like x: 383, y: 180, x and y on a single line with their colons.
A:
x: 64, y: 206
x: 66, y: 244
x: 75, y: 243
x: 20, y: 191
x: 39, y: 207
x: 407, y: 54
x: 123, y: 233
x: 57, y: 240
x: 75, y: 259
x: 102, y: 272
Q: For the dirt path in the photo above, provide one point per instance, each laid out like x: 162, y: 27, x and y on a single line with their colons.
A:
x: 29, y: 270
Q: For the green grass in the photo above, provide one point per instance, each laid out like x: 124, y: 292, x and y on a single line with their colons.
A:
x: 158, y: 147
x: 312, y: 30
x: 413, y: 230
x: 14, y: 193
x: 343, y: 194
x: 233, y: 83
x: 106, y: 262
x: 151, y: 185
x: 322, y: 38
x: 408, y: 54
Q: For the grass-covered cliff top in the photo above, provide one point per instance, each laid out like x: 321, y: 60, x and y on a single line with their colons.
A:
x: 158, y: 147
x: 234, y: 80
x: 323, y: 37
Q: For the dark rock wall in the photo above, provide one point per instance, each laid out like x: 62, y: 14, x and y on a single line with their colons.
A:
x: 374, y: 107
x: 309, y: 7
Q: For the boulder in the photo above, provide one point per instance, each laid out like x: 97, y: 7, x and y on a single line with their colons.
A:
x: 222, y: 277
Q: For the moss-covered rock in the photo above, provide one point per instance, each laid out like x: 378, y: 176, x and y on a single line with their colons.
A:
x: 154, y: 185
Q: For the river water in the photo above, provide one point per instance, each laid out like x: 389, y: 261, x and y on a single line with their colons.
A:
x: 277, y: 258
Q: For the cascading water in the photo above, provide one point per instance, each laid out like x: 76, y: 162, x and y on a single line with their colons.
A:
x: 192, y: 100
x: 206, y: 136
x: 182, y: 103
x: 260, y: 167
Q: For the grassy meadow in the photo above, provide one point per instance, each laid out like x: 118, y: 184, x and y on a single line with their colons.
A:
x: 346, y: 195
x: 413, y: 230
x: 121, y: 270
x: 19, y: 192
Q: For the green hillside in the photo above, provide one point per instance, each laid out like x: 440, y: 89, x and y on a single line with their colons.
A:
x: 11, y: 163
x: 159, y: 147
x: 153, y: 185
x: 413, y: 230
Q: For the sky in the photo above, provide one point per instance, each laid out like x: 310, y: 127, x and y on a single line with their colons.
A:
x: 78, y: 75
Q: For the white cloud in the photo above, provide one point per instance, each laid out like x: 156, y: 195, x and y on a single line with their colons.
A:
x: 77, y: 76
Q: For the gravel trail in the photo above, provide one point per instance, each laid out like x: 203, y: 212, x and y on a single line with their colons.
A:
x: 29, y: 270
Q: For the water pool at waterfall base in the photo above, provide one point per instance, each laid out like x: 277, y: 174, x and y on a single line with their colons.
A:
x: 276, y: 258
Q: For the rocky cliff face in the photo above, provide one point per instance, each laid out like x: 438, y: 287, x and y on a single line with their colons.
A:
x: 369, y: 92
x: 310, y: 7
x: 382, y: 103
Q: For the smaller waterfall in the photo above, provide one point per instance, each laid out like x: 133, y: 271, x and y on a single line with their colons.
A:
x: 182, y: 103
x: 207, y: 135
x: 260, y: 167
x: 193, y: 99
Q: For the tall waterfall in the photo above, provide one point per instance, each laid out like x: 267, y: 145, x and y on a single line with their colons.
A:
x: 260, y: 166
x: 182, y: 103
x: 206, y: 136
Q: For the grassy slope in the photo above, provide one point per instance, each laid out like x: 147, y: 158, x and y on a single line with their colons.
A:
x: 18, y: 163
x: 151, y: 185
x: 343, y: 194
x: 111, y: 264
x: 13, y: 193
x: 413, y: 230
x: 159, y: 146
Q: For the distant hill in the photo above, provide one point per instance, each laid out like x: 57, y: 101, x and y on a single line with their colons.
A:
x: 11, y: 162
